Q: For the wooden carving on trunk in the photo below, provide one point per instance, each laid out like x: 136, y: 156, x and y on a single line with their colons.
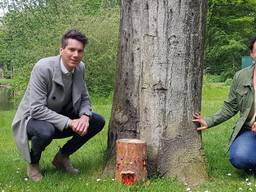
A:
x: 131, y: 161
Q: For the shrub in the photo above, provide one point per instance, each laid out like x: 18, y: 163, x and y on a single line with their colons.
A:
x: 34, y: 32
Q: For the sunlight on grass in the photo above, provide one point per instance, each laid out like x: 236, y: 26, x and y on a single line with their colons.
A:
x: 90, y: 159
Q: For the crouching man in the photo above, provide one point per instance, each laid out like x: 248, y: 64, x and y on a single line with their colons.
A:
x: 56, y: 105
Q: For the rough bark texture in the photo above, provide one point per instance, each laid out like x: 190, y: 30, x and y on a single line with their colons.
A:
x: 158, y: 84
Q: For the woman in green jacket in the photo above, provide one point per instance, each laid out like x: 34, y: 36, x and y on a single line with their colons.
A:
x: 242, y: 98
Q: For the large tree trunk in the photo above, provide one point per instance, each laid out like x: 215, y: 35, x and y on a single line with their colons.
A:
x: 158, y: 84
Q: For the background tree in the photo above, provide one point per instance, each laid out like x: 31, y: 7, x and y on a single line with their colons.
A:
x: 158, y: 84
x: 230, y: 23
x: 32, y: 29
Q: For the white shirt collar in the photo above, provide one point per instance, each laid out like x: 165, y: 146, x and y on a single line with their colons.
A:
x: 64, y: 69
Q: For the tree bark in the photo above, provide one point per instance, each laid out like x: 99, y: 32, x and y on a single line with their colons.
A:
x: 158, y: 84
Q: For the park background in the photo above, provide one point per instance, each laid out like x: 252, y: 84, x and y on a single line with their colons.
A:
x: 31, y: 29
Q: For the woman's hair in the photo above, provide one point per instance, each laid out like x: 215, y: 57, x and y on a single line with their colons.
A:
x: 252, y: 41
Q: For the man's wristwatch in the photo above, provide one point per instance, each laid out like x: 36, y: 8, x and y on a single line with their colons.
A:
x: 86, y: 115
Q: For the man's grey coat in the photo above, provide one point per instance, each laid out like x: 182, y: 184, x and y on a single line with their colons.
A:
x: 44, y: 97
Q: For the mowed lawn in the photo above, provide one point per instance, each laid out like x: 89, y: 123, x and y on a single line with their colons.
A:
x: 90, y: 159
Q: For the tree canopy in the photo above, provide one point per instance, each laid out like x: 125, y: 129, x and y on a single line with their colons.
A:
x: 230, y: 25
x: 31, y: 29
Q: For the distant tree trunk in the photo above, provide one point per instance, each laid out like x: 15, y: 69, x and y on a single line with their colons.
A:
x: 158, y: 84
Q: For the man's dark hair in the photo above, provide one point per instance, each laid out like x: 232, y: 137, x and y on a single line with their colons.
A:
x: 252, y: 41
x: 73, y: 34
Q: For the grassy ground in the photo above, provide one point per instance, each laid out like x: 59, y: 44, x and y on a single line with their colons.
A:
x: 223, y: 177
x: 5, y: 81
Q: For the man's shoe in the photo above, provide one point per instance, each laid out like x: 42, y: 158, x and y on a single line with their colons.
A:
x: 34, y: 172
x: 62, y: 162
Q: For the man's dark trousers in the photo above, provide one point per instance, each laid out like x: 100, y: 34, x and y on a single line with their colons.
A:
x: 41, y: 133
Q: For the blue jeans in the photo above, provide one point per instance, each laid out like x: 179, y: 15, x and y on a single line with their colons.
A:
x: 41, y: 133
x: 242, y: 152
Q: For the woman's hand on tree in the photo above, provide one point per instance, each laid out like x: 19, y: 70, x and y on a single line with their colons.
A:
x: 199, y: 119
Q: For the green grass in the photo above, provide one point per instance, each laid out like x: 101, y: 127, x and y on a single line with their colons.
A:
x: 6, y: 81
x: 90, y: 158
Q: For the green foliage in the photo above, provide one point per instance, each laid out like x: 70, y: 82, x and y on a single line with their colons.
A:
x: 6, y: 82
x: 208, y: 78
x: 32, y: 30
x: 230, y: 24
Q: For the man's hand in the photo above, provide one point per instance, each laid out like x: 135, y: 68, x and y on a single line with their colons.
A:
x: 80, y: 126
x: 199, y: 119
x: 254, y: 127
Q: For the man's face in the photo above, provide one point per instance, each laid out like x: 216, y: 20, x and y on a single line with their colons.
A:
x: 253, y: 52
x: 72, y: 54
